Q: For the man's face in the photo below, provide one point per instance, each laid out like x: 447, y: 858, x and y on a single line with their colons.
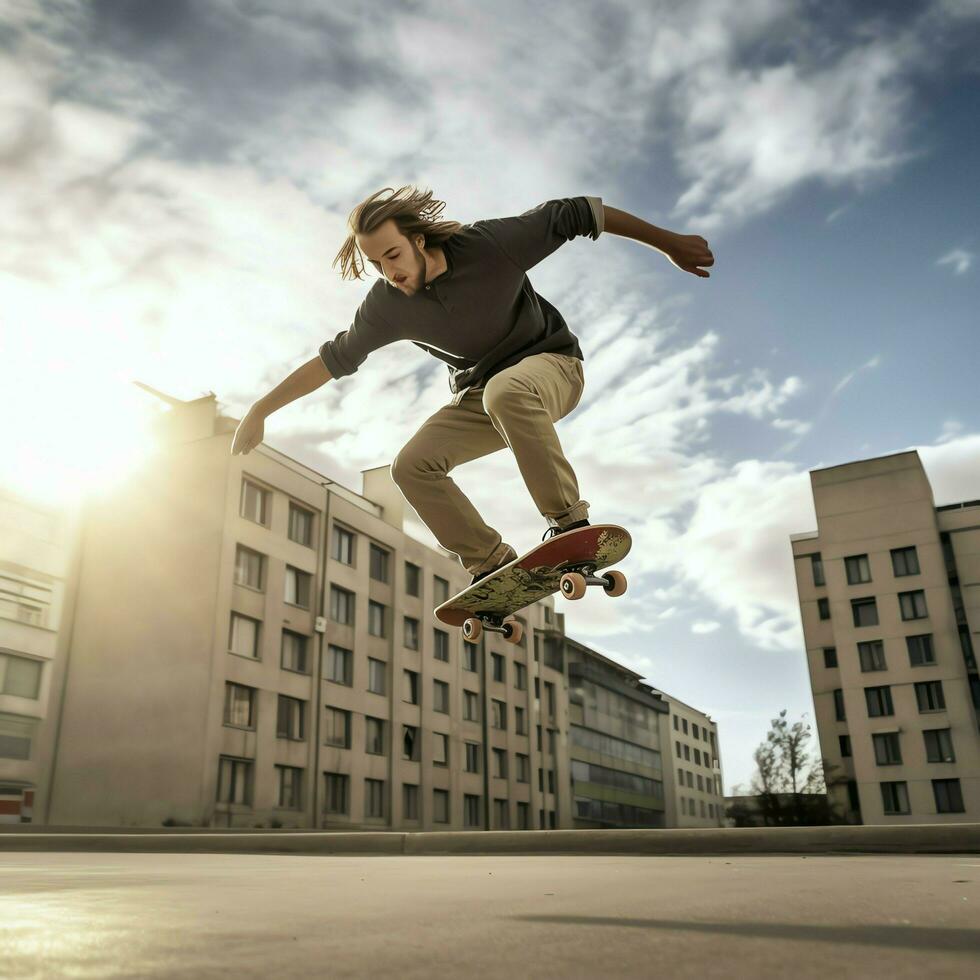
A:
x: 399, y: 260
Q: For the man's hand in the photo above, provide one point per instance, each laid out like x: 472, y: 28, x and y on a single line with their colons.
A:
x: 688, y: 252
x: 250, y: 432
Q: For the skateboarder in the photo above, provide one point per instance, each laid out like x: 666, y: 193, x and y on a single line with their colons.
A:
x: 461, y: 293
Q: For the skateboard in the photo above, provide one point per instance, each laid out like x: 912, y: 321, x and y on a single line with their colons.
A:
x: 565, y: 563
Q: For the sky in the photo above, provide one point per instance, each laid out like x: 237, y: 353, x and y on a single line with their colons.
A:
x: 177, y: 180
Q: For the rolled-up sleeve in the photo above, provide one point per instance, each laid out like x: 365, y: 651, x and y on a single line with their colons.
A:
x: 369, y: 330
x: 532, y: 236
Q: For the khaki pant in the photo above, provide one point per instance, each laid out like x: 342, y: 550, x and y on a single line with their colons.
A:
x: 516, y: 408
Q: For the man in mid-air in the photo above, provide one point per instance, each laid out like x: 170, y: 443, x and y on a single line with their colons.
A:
x: 461, y: 292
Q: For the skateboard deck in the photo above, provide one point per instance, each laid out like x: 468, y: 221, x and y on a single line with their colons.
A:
x: 539, y: 573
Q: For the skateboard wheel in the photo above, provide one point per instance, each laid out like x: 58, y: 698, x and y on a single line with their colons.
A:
x: 472, y: 628
x: 516, y: 631
x: 617, y: 583
x: 573, y: 585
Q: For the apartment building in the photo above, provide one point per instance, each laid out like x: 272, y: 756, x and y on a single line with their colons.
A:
x: 889, y: 591
x: 696, y: 777
x: 254, y: 645
x: 36, y: 554
x: 616, y: 726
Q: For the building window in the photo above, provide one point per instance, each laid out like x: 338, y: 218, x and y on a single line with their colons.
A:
x: 379, y: 563
x: 440, y: 588
x: 440, y: 806
x: 411, y: 637
x: 440, y: 750
x: 293, y: 655
x: 879, y: 701
x: 471, y: 810
x: 865, y: 611
x: 239, y: 706
x: 249, y: 568
x: 300, y: 527
x: 501, y: 815
x: 913, y: 604
x: 376, y: 675
x: 520, y: 723
x: 298, y: 587
x: 888, y: 751
x: 440, y: 648
x: 830, y: 657
x: 823, y: 608
x: 845, y: 745
x: 839, y: 704
x: 929, y: 696
x: 235, y: 778
x: 500, y: 763
x: 291, y: 718
x: 342, y: 545
x: 440, y: 696
x: 523, y: 768
x: 254, y: 504
x: 472, y: 756
x: 894, y: 798
x: 948, y: 796
x: 411, y: 747
x: 410, y: 801
x: 290, y: 787
x: 498, y: 667
x: 20, y: 677
x: 939, y: 745
x: 921, y: 651
x: 374, y: 742
x: 905, y: 561
x: 244, y: 640
x: 337, y: 793
x: 858, y: 569
x: 411, y: 693
x: 817, y: 565
x: 376, y: 619
x: 470, y: 656
x: 374, y: 791
x: 341, y: 605
x: 471, y: 706
x: 339, y: 665
x: 336, y: 725
x: 413, y: 578
x: 499, y: 714
x: 520, y: 677
x: 872, y: 655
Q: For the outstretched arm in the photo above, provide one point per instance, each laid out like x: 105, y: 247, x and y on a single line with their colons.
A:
x: 687, y: 252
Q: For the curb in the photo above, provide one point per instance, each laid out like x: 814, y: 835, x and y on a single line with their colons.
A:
x: 959, y: 838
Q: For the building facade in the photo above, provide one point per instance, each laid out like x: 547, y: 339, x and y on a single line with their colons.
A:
x: 889, y: 591
x: 698, y: 787
x: 36, y: 554
x: 616, y: 727
x: 238, y: 641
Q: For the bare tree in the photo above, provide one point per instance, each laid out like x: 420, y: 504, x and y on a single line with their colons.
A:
x: 790, y: 793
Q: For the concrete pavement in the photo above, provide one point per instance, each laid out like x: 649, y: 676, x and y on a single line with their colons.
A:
x: 205, y: 915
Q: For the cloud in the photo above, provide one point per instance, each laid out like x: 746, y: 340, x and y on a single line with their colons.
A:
x: 700, y: 626
x: 959, y: 258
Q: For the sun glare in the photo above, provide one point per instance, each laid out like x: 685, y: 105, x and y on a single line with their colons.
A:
x: 83, y: 442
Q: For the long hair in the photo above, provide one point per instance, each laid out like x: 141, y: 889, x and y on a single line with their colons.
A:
x: 414, y: 213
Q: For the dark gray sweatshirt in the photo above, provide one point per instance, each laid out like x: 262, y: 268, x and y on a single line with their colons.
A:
x: 482, y: 314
